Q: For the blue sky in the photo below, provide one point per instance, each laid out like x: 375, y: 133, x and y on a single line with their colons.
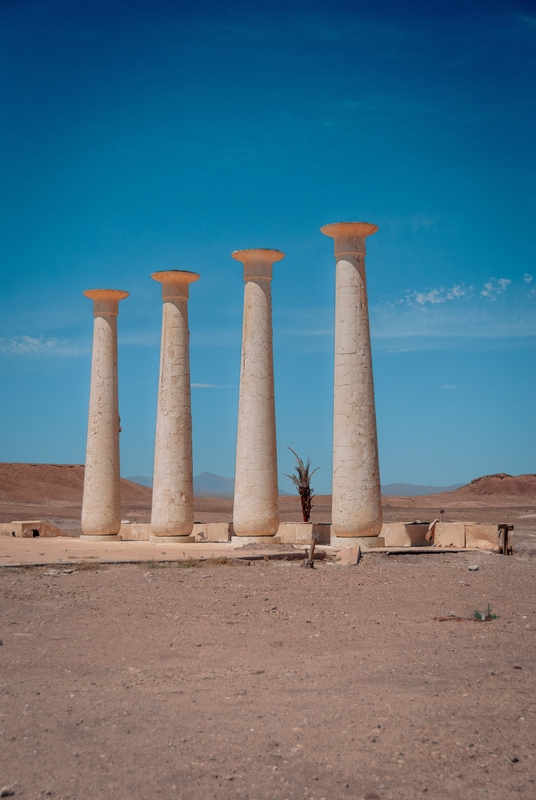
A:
x: 145, y: 136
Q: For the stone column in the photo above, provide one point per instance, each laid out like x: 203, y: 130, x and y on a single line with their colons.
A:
x: 101, y: 504
x: 172, y: 516
x: 256, y: 507
x: 357, y: 509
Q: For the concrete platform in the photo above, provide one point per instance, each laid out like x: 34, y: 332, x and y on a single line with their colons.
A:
x: 16, y: 551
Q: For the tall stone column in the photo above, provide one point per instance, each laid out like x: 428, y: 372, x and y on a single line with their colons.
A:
x: 357, y: 509
x: 172, y: 517
x: 101, y: 504
x: 256, y: 507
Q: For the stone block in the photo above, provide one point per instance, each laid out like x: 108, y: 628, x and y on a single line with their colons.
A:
x: 30, y: 529
x: 302, y: 532
x: 405, y: 534
x: 199, y: 532
x: 482, y: 537
x: 349, y: 557
x: 364, y: 542
x: 135, y: 531
x: 218, y: 532
x: 449, y: 534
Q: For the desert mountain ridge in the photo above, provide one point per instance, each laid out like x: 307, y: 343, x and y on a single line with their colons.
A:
x: 21, y: 482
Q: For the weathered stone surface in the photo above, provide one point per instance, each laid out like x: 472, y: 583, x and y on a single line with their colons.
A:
x: 212, y: 531
x: 256, y: 507
x: 173, y: 495
x: 101, y: 504
x: 30, y: 529
x: 303, y: 532
x: 483, y: 537
x: 449, y: 534
x: 405, y: 534
x: 135, y: 532
x: 349, y: 557
x: 357, y: 507
x: 365, y: 542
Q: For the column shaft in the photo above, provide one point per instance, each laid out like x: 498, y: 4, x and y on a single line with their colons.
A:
x: 256, y: 506
x: 101, y: 504
x: 173, y: 499
x: 356, y: 509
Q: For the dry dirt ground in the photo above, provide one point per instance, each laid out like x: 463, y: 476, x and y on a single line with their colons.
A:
x: 271, y: 681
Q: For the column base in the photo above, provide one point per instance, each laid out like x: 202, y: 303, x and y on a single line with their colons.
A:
x: 364, y: 542
x: 94, y: 537
x: 170, y: 539
x: 241, y: 540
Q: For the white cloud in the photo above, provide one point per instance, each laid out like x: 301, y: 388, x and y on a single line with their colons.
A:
x: 451, y: 386
x: 27, y: 344
x: 437, y: 296
x: 495, y: 287
x: 528, y: 278
x: 39, y: 345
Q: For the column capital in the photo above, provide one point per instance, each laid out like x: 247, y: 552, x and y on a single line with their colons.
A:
x: 258, y: 261
x: 349, y: 236
x: 175, y: 282
x: 106, y: 301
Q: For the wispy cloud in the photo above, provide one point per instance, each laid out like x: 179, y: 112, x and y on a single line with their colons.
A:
x: 39, y: 345
x: 495, y: 287
x: 528, y: 278
x: 451, y: 386
x: 438, y: 296
x: 425, y: 316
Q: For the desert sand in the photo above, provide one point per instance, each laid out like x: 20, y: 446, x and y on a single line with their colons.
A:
x: 372, y: 682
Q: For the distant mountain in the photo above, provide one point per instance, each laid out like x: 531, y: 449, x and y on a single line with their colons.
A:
x: 205, y: 485
x: 208, y: 485
x: 143, y: 480
x: 411, y: 490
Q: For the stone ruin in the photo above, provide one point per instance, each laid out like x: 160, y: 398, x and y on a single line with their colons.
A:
x: 356, y: 495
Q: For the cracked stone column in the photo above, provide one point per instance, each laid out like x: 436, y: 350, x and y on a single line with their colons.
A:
x: 256, y: 506
x: 172, y: 516
x: 357, y: 509
x: 101, y: 504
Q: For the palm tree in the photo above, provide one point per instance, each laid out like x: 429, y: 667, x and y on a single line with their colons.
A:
x: 302, y: 481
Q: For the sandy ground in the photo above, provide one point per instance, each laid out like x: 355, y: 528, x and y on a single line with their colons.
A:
x: 373, y: 682
x: 271, y: 681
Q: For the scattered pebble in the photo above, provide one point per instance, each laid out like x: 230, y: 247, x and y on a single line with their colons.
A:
x: 518, y: 666
x: 7, y: 791
x: 472, y: 567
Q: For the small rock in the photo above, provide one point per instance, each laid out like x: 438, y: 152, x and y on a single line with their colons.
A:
x: 1, y: 642
x: 472, y: 567
x: 518, y: 666
x: 7, y: 791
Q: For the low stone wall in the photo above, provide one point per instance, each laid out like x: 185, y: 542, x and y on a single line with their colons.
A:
x: 30, y: 529
x: 442, y: 534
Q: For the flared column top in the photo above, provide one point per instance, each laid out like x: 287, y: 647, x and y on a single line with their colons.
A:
x: 258, y: 261
x: 106, y: 301
x: 349, y: 236
x: 175, y: 282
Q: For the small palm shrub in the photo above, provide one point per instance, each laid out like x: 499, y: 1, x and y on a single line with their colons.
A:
x: 302, y: 481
